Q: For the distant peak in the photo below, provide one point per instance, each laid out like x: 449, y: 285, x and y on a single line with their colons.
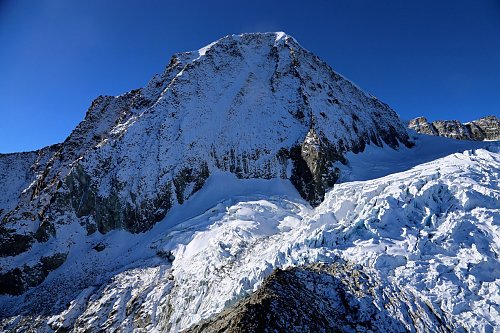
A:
x: 486, y: 128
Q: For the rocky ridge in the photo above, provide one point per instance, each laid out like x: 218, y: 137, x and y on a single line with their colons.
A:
x: 487, y: 128
x: 338, y: 297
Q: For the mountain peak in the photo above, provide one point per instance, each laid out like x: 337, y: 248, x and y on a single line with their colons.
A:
x: 276, y: 35
x: 244, y: 104
x: 254, y: 105
x: 237, y: 40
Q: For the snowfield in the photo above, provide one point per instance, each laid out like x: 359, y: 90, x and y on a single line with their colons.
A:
x: 432, y: 230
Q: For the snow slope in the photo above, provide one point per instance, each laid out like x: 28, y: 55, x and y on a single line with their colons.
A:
x: 431, y: 230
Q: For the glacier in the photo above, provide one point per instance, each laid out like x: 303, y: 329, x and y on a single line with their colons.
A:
x: 431, y: 230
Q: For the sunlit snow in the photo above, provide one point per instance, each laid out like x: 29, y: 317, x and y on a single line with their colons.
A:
x: 432, y: 228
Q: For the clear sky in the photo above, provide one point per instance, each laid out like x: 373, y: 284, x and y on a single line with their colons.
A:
x: 435, y: 58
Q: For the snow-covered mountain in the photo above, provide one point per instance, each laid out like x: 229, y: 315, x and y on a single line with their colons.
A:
x: 248, y: 173
x: 255, y: 105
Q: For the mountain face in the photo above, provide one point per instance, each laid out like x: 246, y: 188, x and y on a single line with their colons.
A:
x: 255, y: 105
x: 487, y: 128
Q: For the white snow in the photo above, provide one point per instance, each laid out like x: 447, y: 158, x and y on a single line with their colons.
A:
x: 376, y: 162
x: 280, y: 35
x: 204, y: 49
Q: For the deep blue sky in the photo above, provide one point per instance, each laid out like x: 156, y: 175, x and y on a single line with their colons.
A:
x: 435, y: 58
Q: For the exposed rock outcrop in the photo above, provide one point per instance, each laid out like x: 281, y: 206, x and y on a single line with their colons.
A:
x: 326, y: 298
x: 487, y: 128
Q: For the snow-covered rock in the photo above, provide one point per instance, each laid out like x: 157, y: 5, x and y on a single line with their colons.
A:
x: 337, y: 297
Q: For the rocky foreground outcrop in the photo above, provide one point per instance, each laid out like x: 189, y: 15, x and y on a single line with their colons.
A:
x: 327, y: 298
x: 487, y: 128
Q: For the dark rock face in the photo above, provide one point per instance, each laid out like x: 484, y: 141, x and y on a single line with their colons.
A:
x: 12, y: 244
x: 326, y: 298
x: 255, y: 105
x: 18, y: 280
x: 313, y: 172
x: 487, y: 128
x: 421, y: 125
x: 452, y: 129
